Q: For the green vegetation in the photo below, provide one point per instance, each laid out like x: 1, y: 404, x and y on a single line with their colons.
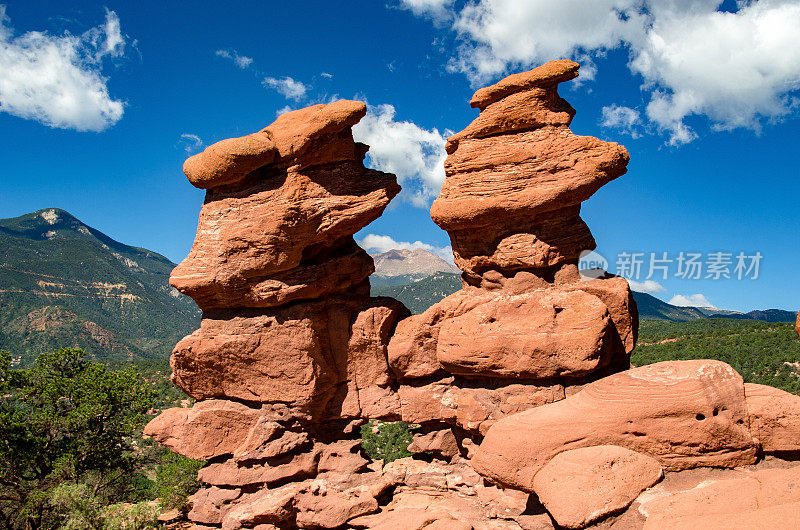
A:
x: 176, y: 479
x: 762, y: 352
x: 71, y: 452
x: 386, y: 441
x: 63, y: 283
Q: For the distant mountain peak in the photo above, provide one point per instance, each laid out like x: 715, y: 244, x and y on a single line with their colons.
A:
x: 64, y: 283
x: 410, y: 262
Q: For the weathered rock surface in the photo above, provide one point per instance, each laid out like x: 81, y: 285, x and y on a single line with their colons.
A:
x: 774, y: 417
x: 442, y: 443
x: 282, y: 231
x: 293, y: 356
x: 515, y: 180
x: 767, y: 498
x: 580, y: 486
x: 516, y: 177
x: 564, y: 330
x: 209, y: 429
x: 299, y: 356
x: 683, y: 413
x: 473, y: 406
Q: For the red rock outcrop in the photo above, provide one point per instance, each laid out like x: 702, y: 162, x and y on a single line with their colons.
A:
x: 767, y: 498
x: 522, y: 377
x: 515, y: 180
x: 774, y: 418
x: 291, y: 349
x: 683, y: 413
x: 580, y: 486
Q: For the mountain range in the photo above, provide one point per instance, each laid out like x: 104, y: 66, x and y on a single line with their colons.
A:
x: 64, y: 283
x: 420, y: 293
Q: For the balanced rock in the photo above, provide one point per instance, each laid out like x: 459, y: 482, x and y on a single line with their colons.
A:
x: 515, y: 180
x: 283, y: 231
x: 580, y: 486
x: 517, y: 175
x: 682, y: 413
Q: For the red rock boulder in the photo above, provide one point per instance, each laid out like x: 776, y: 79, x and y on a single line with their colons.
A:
x: 684, y: 414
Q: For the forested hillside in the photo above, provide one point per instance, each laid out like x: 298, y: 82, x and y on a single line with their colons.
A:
x: 63, y: 283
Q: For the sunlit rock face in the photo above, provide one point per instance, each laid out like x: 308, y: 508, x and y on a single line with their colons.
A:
x: 516, y: 177
x: 518, y: 383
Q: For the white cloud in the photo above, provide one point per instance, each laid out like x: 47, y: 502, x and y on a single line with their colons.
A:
x: 647, y: 286
x: 438, y: 10
x: 690, y: 300
x: 326, y: 75
x: 192, y: 143
x: 625, y: 119
x: 114, y: 42
x: 283, y: 110
x: 739, y: 69
x: 287, y: 87
x: 503, y: 34
x: 416, y: 155
x: 380, y: 243
x: 242, y: 61
x: 735, y: 68
x: 57, y: 80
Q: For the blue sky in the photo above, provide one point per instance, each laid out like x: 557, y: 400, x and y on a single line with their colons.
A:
x: 100, y: 103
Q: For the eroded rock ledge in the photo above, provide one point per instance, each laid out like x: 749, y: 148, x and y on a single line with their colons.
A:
x: 530, y: 414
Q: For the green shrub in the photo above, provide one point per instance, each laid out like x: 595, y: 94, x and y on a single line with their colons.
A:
x: 386, y: 441
x: 176, y: 479
x: 67, y: 421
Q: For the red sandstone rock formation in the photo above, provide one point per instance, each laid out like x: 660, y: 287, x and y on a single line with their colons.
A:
x: 797, y: 325
x: 515, y: 180
x: 293, y: 355
x: 291, y: 348
x: 579, y: 486
x: 685, y: 414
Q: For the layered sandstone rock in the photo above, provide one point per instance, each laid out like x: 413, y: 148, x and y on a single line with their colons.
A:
x: 683, y: 413
x: 580, y: 486
x: 514, y: 380
x: 291, y: 349
x: 516, y: 178
x: 767, y: 498
x: 774, y: 417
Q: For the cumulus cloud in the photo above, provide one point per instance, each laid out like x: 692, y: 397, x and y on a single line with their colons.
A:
x: 242, y: 61
x: 647, y: 286
x: 736, y: 68
x: 739, y: 69
x: 287, y: 87
x: 503, y: 34
x: 690, y: 300
x: 379, y: 243
x: 438, y: 10
x: 415, y: 154
x: 57, y: 80
x: 191, y: 143
x: 624, y: 119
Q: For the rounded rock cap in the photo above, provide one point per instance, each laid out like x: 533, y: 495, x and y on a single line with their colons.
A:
x: 549, y: 73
